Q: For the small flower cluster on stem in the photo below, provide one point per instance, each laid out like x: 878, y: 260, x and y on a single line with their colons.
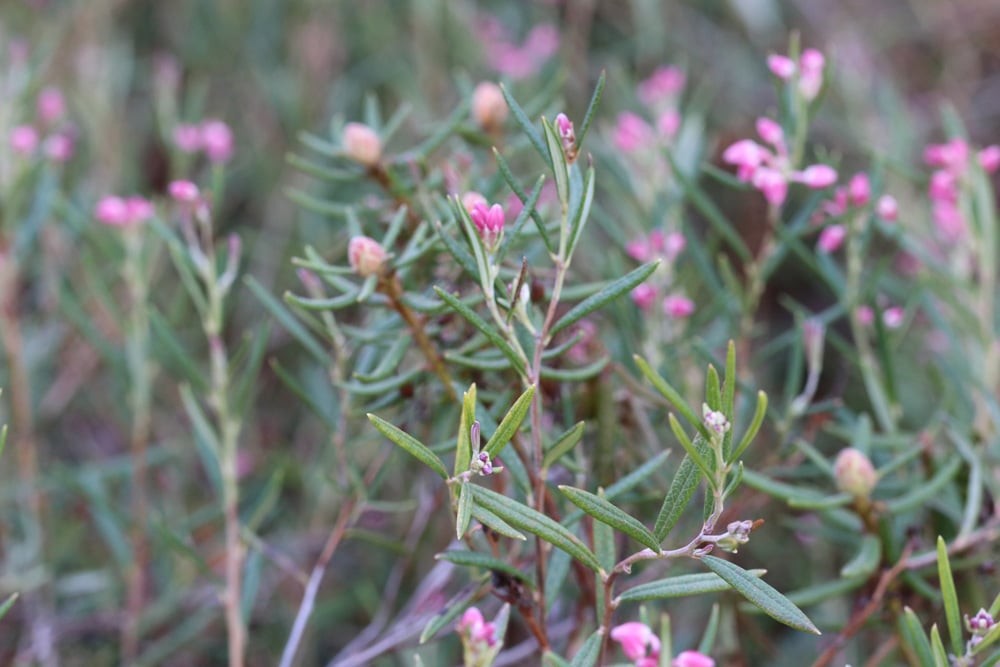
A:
x: 480, y: 642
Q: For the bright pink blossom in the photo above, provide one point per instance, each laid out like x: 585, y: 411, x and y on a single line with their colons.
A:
x: 668, y: 123
x: 811, y: 64
x: 693, y: 659
x: 747, y: 155
x: 632, y: 132
x: 58, y: 147
x: 949, y: 221
x: 476, y: 628
x: 113, y: 211
x: 860, y: 189
x: 187, y: 138
x: 817, y: 176
x: 831, y: 238
x: 50, y: 105
x: 887, y: 208
x: 24, y: 139
x: 893, y: 317
x: 943, y: 186
x: 637, y: 640
x: 673, y: 245
x: 772, y: 184
x: 217, y: 140
x: 952, y: 155
x: 185, y: 192
x: 643, y: 295
x: 782, y: 67
x: 678, y: 307
x: 489, y: 223
x: 139, y: 209
x: 989, y: 158
x: 771, y: 132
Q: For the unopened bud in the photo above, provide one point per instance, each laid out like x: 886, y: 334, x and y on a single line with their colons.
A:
x: 489, y: 107
x: 366, y: 256
x: 854, y: 473
x: 362, y: 144
x: 567, y: 134
x: 489, y: 223
x: 714, y: 420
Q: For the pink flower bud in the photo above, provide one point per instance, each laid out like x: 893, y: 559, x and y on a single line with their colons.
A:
x: 668, y: 123
x: 366, y: 256
x: 632, y: 133
x: 948, y: 221
x: 692, y: 659
x: 489, y: 108
x: 812, y: 63
x: 50, y: 105
x: 58, y: 147
x: 747, y: 155
x: 860, y: 189
x: 636, y: 639
x: 781, y: 66
x: 771, y: 132
x: 643, y: 295
x: 951, y: 155
x: 471, y: 198
x: 831, y: 238
x: 662, y: 85
x: 361, y: 144
x: 893, y: 317
x: 678, y: 307
x: 673, y: 245
x: 489, y: 223
x: 139, y: 209
x: 772, y: 184
x: 184, y: 192
x: 943, y: 187
x: 187, y: 138
x: 567, y: 134
x: 475, y: 627
x: 989, y: 159
x: 818, y: 176
x: 113, y: 211
x: 854, y: 473
x: 217, y: 140
x: 23, y: 139
x: 865, y: 315
x: 887, y: 208
x: 639, y: 250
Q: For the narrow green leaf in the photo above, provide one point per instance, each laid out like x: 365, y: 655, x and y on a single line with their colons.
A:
x: 940, y: 655
x: 866, y: 560
x: 493, y: 522
x: 713, y: 389
x: 481, y: 324
x: 550, y: 659
x: 929, y: 489
x: 588, y: 117
x: 515, y: 229
x: 464, y: 513
x: 287, y: 320
x: 729, y: 398
x: 8, y: 603
x: 205, y: 437
x: 413, y: 446
x: 566, y: 442
x: 762, y: 594
x: 758, y: 418
x: 458, y: 252
x: 680, y: 586
x: 914, y: 637
x: 707, y: 642
x: 523, y: 517
x: 450, y: 611
x: 463, y: 448
x: 519, y: 191
x: 590, y: 651
x: 534, y: 136
x: 582, y: 214
x: 557, y: 159
x: 382, y: 387
x: 614, y: 516
x: 576, y: 374
x: 612, y: 291
x: 390, y: 359
x: 949, y: 596
x: 671, y: 394
x: 678, y: 497
x: 510, y: 423
x: 483, y: 561
x: 693, y: 452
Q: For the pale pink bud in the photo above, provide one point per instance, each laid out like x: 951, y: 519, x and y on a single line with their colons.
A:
x: 50, y: 105
x: 831, y: 238
x: 812, y: 63
x: 184, y: 192
x: 860, y: 189
x: 139, y: 209
x: 632, y: 133
x: 692, y: 659
x: 639, y: 250
x: 887, y: 208
x: 893, y: 317
x: 771, y: 132
x: 489, y: 223
x: 567, y: 134
x: 678, y: 307
x: 362, y: 144
x: 943, y: 187
x: 949, y: 221
x: 818, y: 176
x: 951, y: 155
x: 23, y: 139
x: 113, y: 211
x: 637, y: 640
x: 865, y: 315
x: 747, y: 155
x: 781, y: 66
x: 476, y: 628
x: 187, y: 138
x: 772, y: 184
x: 989, y: 159
x: 837, y: 205
x: 471, y: 198
x: 489, y: 108
x: 668, y: 123
x: 673, y: 245
x: 217, y: 140
x: 662, y: 85
x: 58, y: 147
x: 854, y: 473
x: 365, y: 255
x: 643, y: 295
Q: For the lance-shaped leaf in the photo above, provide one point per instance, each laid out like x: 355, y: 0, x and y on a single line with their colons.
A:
x: 558, y: 159
x: 612, y: 515
x: 523, y: 517
x: 682, y: 489
x: 450, y: 611
x: 914, y: 637
x: 463, y: 448
x: 483, y: 561
x: 417, y: 449
x: 510, y: 422
x: 464, y: 514
x: 566, y: 442
x: 588, y: 117
x: 8, y: 603
x: 949, y: 597
x: 681, y: 586
x: 865, y: 561
x: 694, y: 452
x: 529, y: 129
x: 671, y: 395
x: 582, y: 212
x: 495, y: 523
x: 762, y: 594
x: 590, y: 651
x: 610, y: 292
x: 751, y: 432
x: 481, y: 324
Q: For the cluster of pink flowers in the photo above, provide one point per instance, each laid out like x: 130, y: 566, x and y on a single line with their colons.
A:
x: 517, y: 61
x: 641, y: 645
x: 51, y: 133
x: 667, y: 247
x: 809, y: 70
x: 660, y: 93
x: 769, y: 169
x: 123, y: 211
x: 951, y: 161
x: 212, y: 136
x: 856, y: 195
x: 489, y: 222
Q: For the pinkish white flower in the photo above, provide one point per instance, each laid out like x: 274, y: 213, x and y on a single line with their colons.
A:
x: 50, y: 105
x: 952, y: 155
x: 817, y: 176
x: 58, y: 147
x: 893, y: 317
x: 112, y: 210
x: 366, y: 256
x: 567, y: 135
x: 638, y: 642
x: 943, y: 186
x: 216, y: 140
x: 989, y: 159
x: 831, y: 238
x: 476, y: 628
x: 643, y: 295
x: 860, y: 190
x: 771, y: 132
x: 948, y: 221
x: 139, y: 209
x: 668, y: 123
x: 811, y: 64
x: 489, y: 108
x: 471, y: 198
x: 747, y: 155
x: 187, y: 138
x: 678, y: 307
x: 362, y: 144
x: 772, y: 184
x: 632, y: 132
x: 184, y: 192
x: 714, y: 420
x: 673, y: 245
x: 692, y: 659
x: 854, y: 473
x: 489, y: 222
x: 887, y: 208
x: 782, y: 67
x: 24, y: 139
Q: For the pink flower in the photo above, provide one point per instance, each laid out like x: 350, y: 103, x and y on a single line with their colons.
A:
x: 567, y: 134
x: 693, y: 659
x: 632, y: 133
x: 678, y: 307
x: 643, y: 295
x: 362, y: 144
x: 542, y: 42
x: 139, y: 209
x: 662, y: 86
x: 772, y: 184
x: 818, y: 176
x: 668, y: 123
x: 747, y: 155
x: 952, y: 155
x: 771, y: 132
x: 639, y: 250
x: 943, y: 187
x: 637, y: 640
x: 476, y: 628
x: 860, y: 189
x: 812, y: 63
x: 865, y: 315
x: 471, y: 198
x: 782, y: 67
x: 184, y: 192
x: 50, y: 105
x: 23, y: 139
x: 489, y: 223
x: 673, y: 245
x: 831, y: 238
x: 365, y: 255
x: 949, y: 221
x: 187, y: 138
x: 489, y: 108
x: 989, y: 158
x: 58, y: 147
x: 893, y: 317
x: 887, y: 208
x: 113, y: 211
x: 217, y: 140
